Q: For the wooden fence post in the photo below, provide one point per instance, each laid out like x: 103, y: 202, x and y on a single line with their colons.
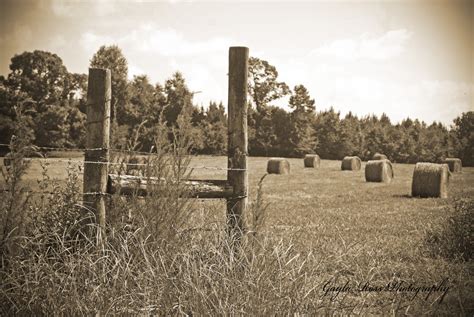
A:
x: 237, y: 175
x: 97, y: 142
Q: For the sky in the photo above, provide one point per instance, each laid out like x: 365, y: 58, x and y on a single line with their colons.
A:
x: 403, y: 58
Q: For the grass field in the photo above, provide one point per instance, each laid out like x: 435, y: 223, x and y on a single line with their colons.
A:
x: 357, y: 233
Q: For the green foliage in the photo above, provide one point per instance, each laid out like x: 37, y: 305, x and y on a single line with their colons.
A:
x: 213, y: 124
x: 464, y: 132
x: 265, y: 137
x: 76, y: 121
x: 410, y: 141
x: 328, y: 131
x: 178, y: 99
x: 352, y: 139
x: 282, y: 127
x: 263, y: 86
x: 53, y: 127
x: 40, y: 81
x: 9, y: 98
x: 142, y: 101
x: 41, y: 75
x: 56, y: 101
x: 111, y: 57
x: 142, y: 113
x: 302, y: 134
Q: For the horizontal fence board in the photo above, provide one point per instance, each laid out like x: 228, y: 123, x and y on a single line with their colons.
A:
x: 128, y: 185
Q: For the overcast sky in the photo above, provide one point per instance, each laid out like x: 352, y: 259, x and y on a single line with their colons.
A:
x: 404, y: 58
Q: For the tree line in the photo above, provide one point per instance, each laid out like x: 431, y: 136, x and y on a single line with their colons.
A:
x: 51, y: 103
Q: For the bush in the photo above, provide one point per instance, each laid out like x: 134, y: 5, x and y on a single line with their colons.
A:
x: 455, y: 238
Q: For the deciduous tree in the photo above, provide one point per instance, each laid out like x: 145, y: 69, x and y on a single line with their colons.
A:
x: 263, y: 88
x: 111, y: 57
x: 41, y: 76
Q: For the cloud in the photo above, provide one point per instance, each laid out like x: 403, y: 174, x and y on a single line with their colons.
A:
x: 69, y: 8
x: 159, y: 52
x: 169, y: 42
x: 445, y: 99
x: 63, y: 8
x: 134, y: 70
x: 22, y: 33
x: 148, y: 38
x: 374, y: 90
x: 389, y: 45
x: 91, y: 42
x: 426, y: 100
x: 179, y: 1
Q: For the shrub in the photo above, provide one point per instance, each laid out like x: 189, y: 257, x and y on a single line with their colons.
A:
x: 455, y: 238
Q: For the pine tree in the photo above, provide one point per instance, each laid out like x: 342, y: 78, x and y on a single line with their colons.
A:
x: 302, y: 135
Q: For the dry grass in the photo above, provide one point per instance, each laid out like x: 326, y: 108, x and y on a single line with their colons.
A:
x: 321, y: 225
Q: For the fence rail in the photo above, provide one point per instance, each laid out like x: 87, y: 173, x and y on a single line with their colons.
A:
x: 135, y: 185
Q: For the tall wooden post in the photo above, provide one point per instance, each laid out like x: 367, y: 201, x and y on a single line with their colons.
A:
x: 237, y: 138
x: 97, y: 142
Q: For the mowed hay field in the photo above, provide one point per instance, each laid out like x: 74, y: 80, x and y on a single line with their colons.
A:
x: 358, y: 232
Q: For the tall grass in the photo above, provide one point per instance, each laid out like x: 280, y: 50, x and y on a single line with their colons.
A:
x: 157, y: 260
x: 454, y: 239
x: 149, y: 262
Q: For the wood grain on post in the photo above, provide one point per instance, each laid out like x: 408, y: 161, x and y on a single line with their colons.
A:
x: 237, y: 137
x: 97, y: 142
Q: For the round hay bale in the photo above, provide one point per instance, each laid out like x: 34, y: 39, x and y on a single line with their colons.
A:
x: 379, y: 171
x: 430, y: 180
x: 351, y: 163
x: 455, y: 164
x: 312, y: 160
x: 278, y: 166
x: 379, y: 156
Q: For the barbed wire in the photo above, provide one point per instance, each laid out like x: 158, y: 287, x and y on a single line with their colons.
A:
x: 72, y: 149
x: 126, y: 164
x: 119, y: 163
x: 217, y: 168
x: 70, y: 161
x: 65, y: 149
x: 45, y: 192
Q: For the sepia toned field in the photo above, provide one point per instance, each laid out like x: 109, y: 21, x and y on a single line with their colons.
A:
x: 358, y: 233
